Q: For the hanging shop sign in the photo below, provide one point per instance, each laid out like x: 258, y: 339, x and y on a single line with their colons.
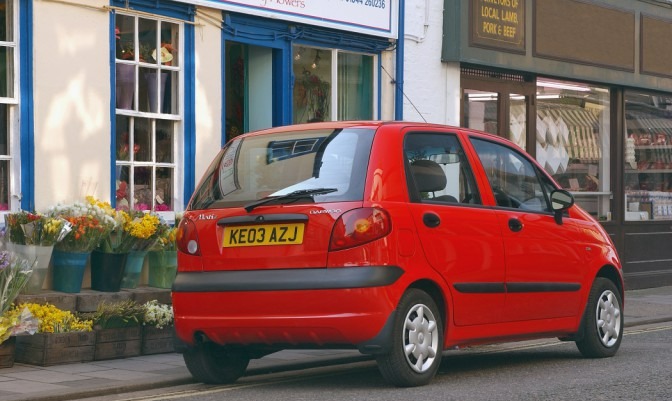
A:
x: 371, y: 17
x: 498, y: 24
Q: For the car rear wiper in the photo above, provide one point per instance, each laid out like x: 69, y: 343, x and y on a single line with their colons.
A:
x: 301, y: 193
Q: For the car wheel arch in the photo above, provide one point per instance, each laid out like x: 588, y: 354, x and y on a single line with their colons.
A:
x: 439, y: 297
x: 608, y: 272
x: 381, y: 343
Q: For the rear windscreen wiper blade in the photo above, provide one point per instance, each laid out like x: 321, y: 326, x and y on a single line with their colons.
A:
x: 301, y: 193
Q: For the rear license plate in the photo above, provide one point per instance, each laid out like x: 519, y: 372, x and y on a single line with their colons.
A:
x: 263, y: 234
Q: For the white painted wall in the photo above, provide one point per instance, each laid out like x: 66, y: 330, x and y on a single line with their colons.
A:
x: 432, y: 88
x: 208, y: 57
x: 72, y: 102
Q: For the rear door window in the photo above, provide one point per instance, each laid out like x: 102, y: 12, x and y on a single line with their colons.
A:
x: 272, y: 165
x: 439, y: 169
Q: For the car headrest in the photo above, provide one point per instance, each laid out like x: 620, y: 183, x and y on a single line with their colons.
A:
x: 428, y: 175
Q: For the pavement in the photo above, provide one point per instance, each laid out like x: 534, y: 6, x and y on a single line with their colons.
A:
x: 99, y: 378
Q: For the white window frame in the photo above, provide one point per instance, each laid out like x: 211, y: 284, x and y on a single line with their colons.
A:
x: 178, y: 128
x: 13, y: 131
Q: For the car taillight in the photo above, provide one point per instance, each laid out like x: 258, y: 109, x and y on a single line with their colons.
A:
x: 359, y: 226
x: 187, y: 237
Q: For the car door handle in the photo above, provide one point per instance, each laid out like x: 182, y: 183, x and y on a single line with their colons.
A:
x: 515, y: 225
x: 431, y: 220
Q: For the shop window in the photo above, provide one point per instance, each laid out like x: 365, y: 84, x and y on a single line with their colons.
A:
x: 483, y: 111
x: 648, y: 156
x: 355, y: 86
x: 148, y: 70
x: 480, y: 110
x: 315, y: 80
x: 572, y: 141
x: 8, y: 108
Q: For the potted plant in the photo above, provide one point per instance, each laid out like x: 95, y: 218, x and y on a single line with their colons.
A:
x: 61, y: 337
x: 157, y: 329
x: 118, y: 329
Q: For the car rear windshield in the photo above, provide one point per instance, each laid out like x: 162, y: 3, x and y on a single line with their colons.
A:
x: 329, y: 165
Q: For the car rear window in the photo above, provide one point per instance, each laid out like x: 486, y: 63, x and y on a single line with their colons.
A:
x: 271, y: 165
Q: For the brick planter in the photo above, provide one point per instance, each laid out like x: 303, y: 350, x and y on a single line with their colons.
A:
x: 157, y: 341
x: 117, y: 343
x: 47, y: 349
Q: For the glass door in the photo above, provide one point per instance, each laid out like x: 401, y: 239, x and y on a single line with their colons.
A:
x: 249, y: 85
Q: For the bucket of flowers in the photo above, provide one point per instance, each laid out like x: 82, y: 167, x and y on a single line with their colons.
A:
x: 144, y: 230
x: 108, y: 259
x: 162, y: 257
x: 33, y: 236
x: 86, y: 225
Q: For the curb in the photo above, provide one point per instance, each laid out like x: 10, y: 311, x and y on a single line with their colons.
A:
x: 179, y: 380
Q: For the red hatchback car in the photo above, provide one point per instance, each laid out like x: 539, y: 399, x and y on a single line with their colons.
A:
x: 398, y: 239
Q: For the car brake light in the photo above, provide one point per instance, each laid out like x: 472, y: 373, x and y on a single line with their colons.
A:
x: 359, y: 226
x: 187, y: 237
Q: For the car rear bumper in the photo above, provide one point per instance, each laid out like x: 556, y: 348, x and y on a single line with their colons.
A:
x: 287, y: 308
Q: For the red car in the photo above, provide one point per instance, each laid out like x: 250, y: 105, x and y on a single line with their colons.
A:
x: 399, y: 239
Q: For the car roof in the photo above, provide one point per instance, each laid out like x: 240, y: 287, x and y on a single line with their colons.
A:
x: 372, y: 124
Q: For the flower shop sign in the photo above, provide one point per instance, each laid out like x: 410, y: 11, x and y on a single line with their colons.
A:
x: 372, y: 17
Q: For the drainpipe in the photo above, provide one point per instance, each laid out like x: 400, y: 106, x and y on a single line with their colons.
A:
x: 399, y: 68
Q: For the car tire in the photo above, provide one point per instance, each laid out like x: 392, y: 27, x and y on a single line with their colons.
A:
x: 417, y: 342
x: 602, y: 321
x: 214, y: 364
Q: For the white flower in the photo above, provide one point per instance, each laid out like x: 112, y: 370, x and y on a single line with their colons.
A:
x: 158, y: 315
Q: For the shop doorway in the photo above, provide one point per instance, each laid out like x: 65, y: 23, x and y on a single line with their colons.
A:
x: 499, y: 103
x: 249, y: 83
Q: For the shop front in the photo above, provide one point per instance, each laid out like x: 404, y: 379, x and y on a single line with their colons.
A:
x: 586, y: 87
x: 297, y: 62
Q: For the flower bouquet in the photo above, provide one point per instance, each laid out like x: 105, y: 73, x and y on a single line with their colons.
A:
x: 158, y: 315
x: 54, y: 320
x: 14, y: 274
x: 32, y: 236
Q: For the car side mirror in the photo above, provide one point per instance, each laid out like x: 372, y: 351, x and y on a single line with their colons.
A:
x: 561, y: 200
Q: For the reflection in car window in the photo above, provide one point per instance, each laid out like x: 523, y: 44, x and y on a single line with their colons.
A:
x: 514, y: 180
x: 439, y: 169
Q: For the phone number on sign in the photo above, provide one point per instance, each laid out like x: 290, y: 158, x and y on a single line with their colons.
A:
x: 368, y: 3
